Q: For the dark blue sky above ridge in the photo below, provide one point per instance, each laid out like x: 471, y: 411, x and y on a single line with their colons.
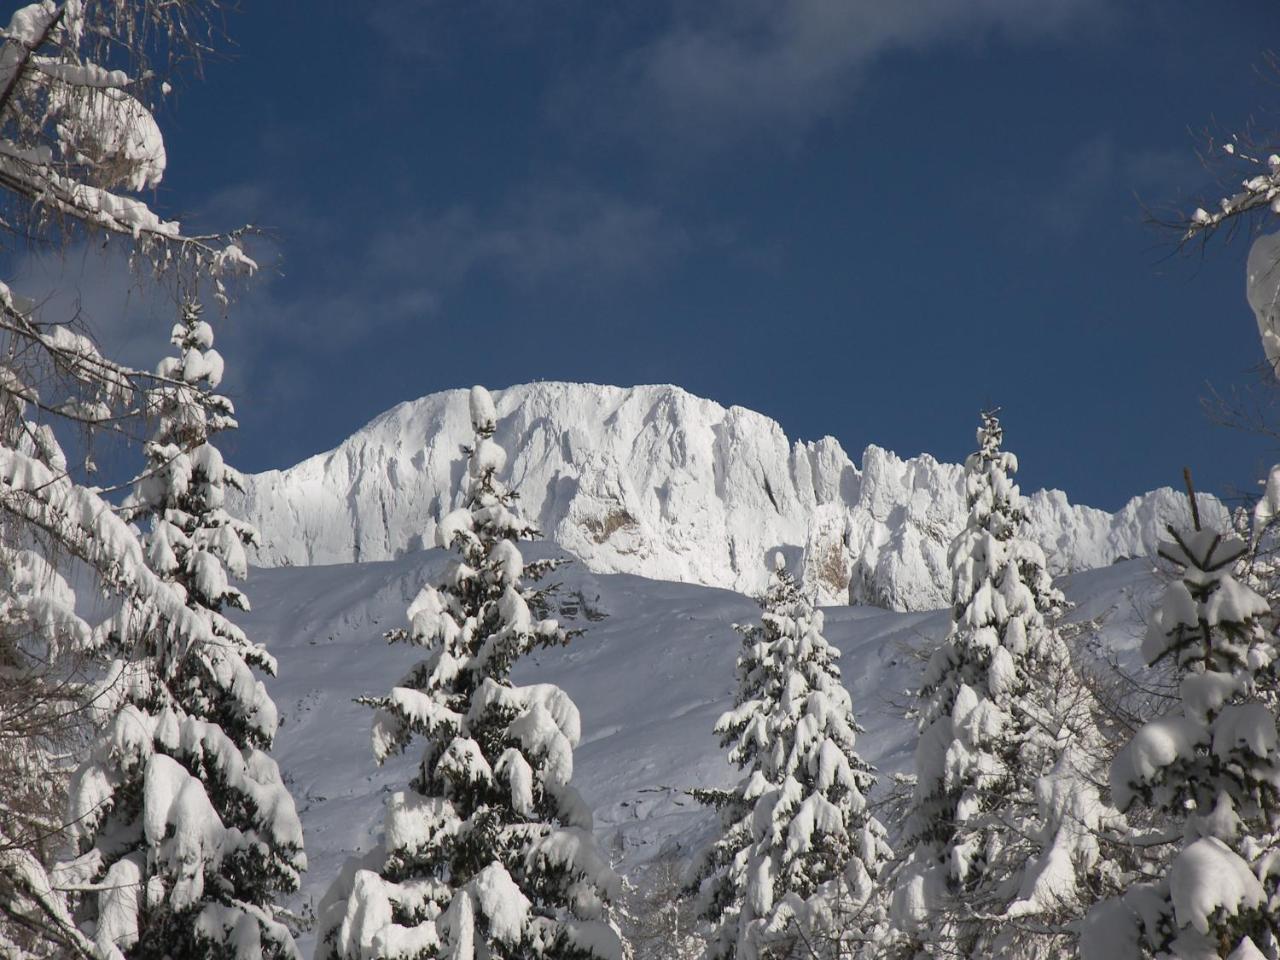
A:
x: 862, y: 219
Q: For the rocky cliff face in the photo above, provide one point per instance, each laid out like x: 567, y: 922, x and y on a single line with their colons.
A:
x: 654, y: 481
x: 889, y: 547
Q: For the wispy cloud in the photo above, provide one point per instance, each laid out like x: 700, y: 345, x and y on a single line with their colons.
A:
x: 428, y: 31
x: 1068, y: 200
x: 406, y: 268
x: 400, y: 271
x: 596, y: 238
x: 726, y: 70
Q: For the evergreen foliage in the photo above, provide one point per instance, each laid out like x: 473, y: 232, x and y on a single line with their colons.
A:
x: 184, y: 824
x: 1210, y: 767
x: 1004, y: 812
x: 795, y: 870
x: 489, y: 852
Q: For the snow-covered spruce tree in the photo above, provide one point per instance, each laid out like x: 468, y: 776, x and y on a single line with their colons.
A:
x: 1211, y: 766
x: 489, y: 853
x: 181, y: 814
x: 794, y: 871
x: 78, y: 143
x: 1001, y: 828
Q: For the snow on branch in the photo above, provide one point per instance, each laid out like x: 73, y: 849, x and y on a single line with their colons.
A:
x: 80, y: 134
x: 1258, y: 192
x: 89, y: 529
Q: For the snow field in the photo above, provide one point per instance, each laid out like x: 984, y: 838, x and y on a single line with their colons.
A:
x: 649, y: 680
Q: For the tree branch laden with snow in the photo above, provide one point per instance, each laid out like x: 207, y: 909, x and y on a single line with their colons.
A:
x: 1212, y: 767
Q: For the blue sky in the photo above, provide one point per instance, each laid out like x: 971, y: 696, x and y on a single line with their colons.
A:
x: 863, y: 219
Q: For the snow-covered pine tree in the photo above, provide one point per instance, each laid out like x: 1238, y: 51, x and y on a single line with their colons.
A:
x: 1004, y: 809
x: 184, y: 824
x: 1211, y: 767
x: 718, y: 875
x: 795, y: 869
x: 78, y: 144
x: 489, y: 852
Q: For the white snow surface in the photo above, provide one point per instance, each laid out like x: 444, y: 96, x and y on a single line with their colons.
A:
x: 653, y: 481
x: 1263, y: 290
x: 649, y: 680
x: 1208, y: 876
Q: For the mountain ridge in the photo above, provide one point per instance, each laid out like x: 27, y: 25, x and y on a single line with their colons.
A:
x: 654, y: 481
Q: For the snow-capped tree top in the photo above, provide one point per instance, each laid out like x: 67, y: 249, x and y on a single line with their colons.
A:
x: 989, y: 435
x: 1207, y: 616
x: 484, y: 417
x: 198, y: 361
x: 782, y: 598
x: 1206, y: 550
x: 993, y: 498
x: 998, y: 573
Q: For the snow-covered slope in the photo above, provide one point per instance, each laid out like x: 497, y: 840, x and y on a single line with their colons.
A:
x: 649, y: 678
x: 654, y: 481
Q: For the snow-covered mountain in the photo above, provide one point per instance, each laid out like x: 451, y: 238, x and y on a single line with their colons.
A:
x: 653, y: 481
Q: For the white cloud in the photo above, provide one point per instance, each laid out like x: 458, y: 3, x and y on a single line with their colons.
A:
x: 592, y: 237
x: 727, y: 69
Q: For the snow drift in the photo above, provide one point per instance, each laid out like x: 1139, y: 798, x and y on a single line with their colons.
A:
x: 653, y: 481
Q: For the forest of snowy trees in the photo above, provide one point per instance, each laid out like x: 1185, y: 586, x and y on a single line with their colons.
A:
x: 1054, y: 810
